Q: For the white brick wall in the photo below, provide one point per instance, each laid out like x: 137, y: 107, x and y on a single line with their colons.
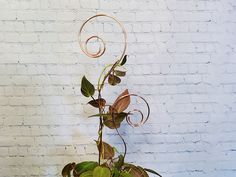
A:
x: 182, y: 58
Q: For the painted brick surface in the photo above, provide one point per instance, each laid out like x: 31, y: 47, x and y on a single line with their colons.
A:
x: 182, y: 58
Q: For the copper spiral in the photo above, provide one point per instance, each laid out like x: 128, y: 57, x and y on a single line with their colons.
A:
x: 102, y: 47
x: 143, y: 119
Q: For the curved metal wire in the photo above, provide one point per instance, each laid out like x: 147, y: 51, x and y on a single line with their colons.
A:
x: 102, y: 47
x: 128, y: 118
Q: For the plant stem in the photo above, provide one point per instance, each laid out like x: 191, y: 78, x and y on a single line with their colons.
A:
x: 101, y: 109
x: 92, y: 97
x: 99, y: 88
x: 103, y: 70
x: 100, y: 129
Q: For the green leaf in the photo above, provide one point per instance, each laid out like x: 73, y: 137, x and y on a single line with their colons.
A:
x: 85, y: 166
x: 98, y: 102
x: 98, y: 115
x: 107, y: 151
x: 118, y: 118
x: 87, y: 174
x: 119, y: 73
x: 152, y: 171
x: 123, y: 60
x: 66, y: 171
x: 125, y: 174
x: 107, y: 119
x: 115, y: 172
x: 87, y: 89
x: 100, y: 171
x: 113, y: 80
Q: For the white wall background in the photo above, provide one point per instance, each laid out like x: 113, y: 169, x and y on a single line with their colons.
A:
x: 182, y: 58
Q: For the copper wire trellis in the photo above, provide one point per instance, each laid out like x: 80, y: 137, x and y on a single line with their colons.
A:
x: 99, y: 53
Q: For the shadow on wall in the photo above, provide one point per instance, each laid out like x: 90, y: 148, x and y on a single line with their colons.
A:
x: 42, y: 127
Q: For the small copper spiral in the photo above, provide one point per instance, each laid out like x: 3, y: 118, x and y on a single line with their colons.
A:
x: 143, y: 119
x: 102, y: 47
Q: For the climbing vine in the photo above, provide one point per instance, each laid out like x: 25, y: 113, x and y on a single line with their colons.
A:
x: 110, y: 116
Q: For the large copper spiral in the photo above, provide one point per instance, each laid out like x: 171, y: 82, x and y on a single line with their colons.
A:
x: 102, y: 47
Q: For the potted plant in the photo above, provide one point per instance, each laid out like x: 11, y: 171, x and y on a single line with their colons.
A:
x: 110, y: 116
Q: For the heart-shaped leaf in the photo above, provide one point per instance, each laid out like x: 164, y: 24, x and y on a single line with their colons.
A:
x: 85, y: 166
x: 87, y: 89
x: 97, y: 103
x: 152, y: 171
x: 66, y: 171
x: 113, y: 80
x: 123, y: 60
x: 118, y: 118
x: 100, y: 171
x: 87, y: 174
x: 107, y: 151
x: 119, y: 73
x: 121, y: 103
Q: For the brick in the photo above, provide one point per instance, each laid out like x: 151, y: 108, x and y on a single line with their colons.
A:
x: 89, y: 4
x: 26, y: 15
x: 7, y: 15
x: 27, y: 37
x: 21, y: 80
x: 66, y: 15
x: 48, y: 37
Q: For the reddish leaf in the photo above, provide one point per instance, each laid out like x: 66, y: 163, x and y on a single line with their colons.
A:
x: 107, y: 151
x: 113, y: 80
x: 97, y: 102
x: 66, y: 171
x: 120, y: 73
x: 121, y: 103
